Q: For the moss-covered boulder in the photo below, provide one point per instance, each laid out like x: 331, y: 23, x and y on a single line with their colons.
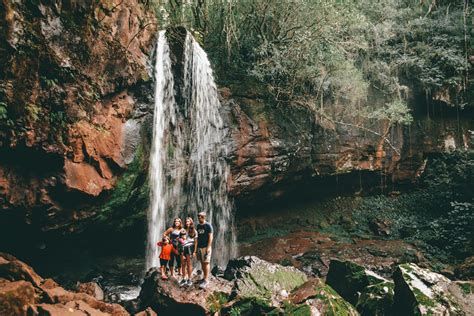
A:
x: 349, y: 279
x: 321, y: 299
x: 258, y: 278
x: 463, y: 292
x: 420, y: 291
x: 376, y: 299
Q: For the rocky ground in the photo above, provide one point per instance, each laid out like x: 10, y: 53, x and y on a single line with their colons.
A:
x: 248, y: 286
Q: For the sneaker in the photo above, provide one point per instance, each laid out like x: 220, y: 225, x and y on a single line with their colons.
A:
x: 183, y: 282
x: 189, y: 283
x: 203, y: 284
x: 199, y: 281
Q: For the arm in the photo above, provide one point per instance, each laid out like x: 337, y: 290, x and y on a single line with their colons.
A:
x: 168, y: 232
x: 211, y: 238
x: 195, y: 243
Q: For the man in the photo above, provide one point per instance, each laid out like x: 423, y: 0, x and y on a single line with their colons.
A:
x: 204, y: 246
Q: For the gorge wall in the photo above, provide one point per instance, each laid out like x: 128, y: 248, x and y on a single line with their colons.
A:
x: 76, y: 86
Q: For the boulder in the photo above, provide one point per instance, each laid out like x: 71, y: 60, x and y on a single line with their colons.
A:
x: 350, y: 279
x: 14, y: 270
x: 321, y: 299
x: 23, y: 292
x: 463, y: 292
x: 420, y: 291
x: 15, y: 297
x: 146, y: 312
x: 166, y: 297
x: 91, y: 288
x: 258, y: 278
x: 376, y: 299
x: 465, y: 270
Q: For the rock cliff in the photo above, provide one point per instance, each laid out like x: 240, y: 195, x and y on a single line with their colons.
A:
x: 75, y: 104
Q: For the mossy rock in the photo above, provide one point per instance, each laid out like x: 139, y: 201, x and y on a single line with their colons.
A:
x: 255, y: 277
x: 349, y: 279
x: 377, y: 299
x: 250, y: 306
x: 216, y: 300
x: 420, y: 291
x: 321, y: 298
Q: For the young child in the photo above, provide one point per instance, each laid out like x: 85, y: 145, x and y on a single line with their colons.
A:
x: 165, y: 255
x: 180, y: 243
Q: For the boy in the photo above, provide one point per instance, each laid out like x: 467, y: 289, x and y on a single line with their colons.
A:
x: 165, y: 255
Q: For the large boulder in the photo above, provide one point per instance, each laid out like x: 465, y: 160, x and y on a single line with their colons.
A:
x: 420, y: 291
x: 376, y: 299
x: 166, y: 297
x: 349, y: 279
x: 255, y: 277
x: 370, y: 293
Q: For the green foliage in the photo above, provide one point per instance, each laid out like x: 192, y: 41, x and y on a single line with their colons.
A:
x: 216, y: 300
x: 33, y: 111
x: 3, y: 111
x: 333, y: 55
x: 440, y: 216
x: 395, y: 112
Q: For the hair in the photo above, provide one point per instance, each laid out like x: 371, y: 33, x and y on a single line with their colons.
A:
x: 165, y: 238
x: 180, y: 223
x: 182, y: 232
x: 190, y: 228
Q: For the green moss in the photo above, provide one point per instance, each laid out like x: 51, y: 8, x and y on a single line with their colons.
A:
x: 216, y: 300
x: 422, y: 299
x: 296, y: 310
x: 466, y: 287
x: 252, y: 306
x: 260, y: 281
x: 333, y: 303
x: 128, y: 201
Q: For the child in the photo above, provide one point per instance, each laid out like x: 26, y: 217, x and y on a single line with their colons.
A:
x: 165, y: 255
x: 180, y: 248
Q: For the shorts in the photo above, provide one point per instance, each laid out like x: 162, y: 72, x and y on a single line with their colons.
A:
x: 164, y: 262
x: 177, y: 258
x: 203, y: 255
x: 188, y: 251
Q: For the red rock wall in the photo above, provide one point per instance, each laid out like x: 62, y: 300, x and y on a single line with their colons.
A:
x: 69, y: 72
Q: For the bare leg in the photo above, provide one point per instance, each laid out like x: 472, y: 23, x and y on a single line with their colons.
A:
x: 189, y: 266
x: 205, y: 269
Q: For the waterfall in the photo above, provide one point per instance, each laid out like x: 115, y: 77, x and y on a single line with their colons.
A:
x: 188, y: 172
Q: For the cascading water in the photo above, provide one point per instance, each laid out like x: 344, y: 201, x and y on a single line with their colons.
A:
x: 188, y: 173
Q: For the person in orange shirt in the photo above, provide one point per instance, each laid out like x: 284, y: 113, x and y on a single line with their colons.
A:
x: 165, y: 255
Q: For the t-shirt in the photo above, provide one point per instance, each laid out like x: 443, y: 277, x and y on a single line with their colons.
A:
x: 203, y: 234
x: 165, y: 251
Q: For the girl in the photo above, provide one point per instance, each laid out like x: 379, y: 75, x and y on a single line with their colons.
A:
x: 166, y: 249
x: 173, y: 233
x: 189, y: 246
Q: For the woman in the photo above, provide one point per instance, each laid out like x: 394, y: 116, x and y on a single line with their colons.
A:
x: 173, y: 234
x: 190, y: 244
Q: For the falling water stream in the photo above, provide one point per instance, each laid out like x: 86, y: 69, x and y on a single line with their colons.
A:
x: 188, y: 173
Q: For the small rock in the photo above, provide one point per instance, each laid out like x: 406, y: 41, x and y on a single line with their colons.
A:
x: 217, y: 271
x: 91, y: 288
x: 380, y: 227
x: 465, y: 270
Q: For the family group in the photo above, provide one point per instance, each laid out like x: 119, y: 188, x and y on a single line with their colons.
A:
x: 180, y: 244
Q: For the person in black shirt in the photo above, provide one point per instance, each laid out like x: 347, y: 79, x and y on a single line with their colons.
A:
x: 204, y: 246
